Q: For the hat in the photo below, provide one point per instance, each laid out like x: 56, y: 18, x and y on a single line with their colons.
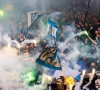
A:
x: 78, y: 78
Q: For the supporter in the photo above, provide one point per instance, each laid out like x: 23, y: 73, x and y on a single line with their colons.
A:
x: 73, y: 11
x: 98, y: 65
x: 25, y: 30
x: 14, y: 37
x: 29, y: 35
x: 93, y: 66
x: 61, y: 37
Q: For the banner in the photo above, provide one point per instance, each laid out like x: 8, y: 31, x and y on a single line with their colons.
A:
x: 49, y: 58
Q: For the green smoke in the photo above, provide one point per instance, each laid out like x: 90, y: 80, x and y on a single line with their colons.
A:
x: 30, y: 77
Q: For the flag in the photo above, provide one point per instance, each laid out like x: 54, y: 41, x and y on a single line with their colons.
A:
x: 53, y: 29
x: 32, y: 16
x: 58, y: 73
x: 66, y: 71
x: 83, y: 65
x: 70, y: 72
x: 49, y: 58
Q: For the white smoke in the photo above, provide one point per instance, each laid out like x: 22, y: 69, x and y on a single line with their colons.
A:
x: 55, y: 15
x: 13, y: 68
x: 9, y: 65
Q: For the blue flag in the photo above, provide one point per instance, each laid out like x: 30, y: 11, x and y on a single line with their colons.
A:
x: 53, y: 29
x: 32, y: 16
x: 49, y: 58
x: 83, y: 65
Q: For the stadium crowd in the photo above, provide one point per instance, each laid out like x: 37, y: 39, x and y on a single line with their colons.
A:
x: 73, y: 12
